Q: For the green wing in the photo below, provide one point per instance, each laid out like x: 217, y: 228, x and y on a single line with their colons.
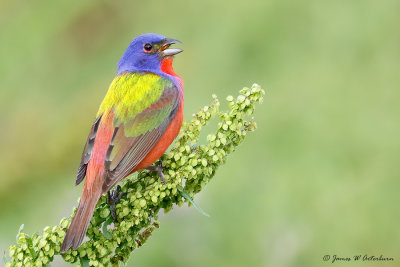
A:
x: 137, y: 132
x: 143, y: 105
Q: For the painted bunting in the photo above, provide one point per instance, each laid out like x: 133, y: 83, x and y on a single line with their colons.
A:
x: 138, y: 119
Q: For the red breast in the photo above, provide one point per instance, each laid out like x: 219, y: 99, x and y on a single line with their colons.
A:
x: 172, y: 130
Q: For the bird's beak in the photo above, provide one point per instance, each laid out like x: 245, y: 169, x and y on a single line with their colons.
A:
x: 166, y: 51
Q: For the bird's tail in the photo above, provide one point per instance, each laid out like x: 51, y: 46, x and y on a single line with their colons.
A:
x: 80, y: 223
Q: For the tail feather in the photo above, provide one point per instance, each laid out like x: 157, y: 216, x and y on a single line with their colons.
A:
x: 80, y: 223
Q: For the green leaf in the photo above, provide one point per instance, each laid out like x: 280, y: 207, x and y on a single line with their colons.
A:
x: 34, y: 253
x: 4, y: 257
x: 188, y: 198
x: 107, y: 234
x: 19, y: 231
x: 84, y: 262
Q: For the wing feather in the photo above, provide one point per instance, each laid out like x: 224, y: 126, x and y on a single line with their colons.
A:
x: 144, y: 106
x: 87, y: 152
x: 133, y: 140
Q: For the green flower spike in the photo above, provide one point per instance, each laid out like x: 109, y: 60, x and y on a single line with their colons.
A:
x: 188, y: 167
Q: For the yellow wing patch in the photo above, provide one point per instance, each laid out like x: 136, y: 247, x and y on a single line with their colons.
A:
x: 131, y: 93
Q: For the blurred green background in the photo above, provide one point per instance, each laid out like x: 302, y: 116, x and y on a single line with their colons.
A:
x: 319, y: 176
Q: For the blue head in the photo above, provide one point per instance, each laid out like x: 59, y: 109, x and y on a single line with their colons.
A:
x: 146, y: 52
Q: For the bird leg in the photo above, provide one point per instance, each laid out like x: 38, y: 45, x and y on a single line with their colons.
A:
x: 159, y: 171
x: 112, y: 198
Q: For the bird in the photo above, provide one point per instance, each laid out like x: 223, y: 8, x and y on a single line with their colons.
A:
x: 137, y: 121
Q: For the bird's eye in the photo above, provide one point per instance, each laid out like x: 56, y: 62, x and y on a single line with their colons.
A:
x: 147, y: 48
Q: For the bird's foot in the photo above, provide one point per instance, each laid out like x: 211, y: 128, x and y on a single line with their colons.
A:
x: 159, y: 171
x: 113, y: 196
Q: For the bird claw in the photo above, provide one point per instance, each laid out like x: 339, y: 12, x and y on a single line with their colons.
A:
x: 113, y: 198
x: 159, y: 170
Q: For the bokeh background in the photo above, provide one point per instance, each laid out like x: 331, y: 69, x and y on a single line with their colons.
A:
x: 319, y: 176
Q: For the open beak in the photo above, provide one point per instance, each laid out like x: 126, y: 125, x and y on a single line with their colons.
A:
x: 165, y: 51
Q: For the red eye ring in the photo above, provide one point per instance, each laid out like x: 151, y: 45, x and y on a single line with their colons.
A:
x: 147, y: 48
